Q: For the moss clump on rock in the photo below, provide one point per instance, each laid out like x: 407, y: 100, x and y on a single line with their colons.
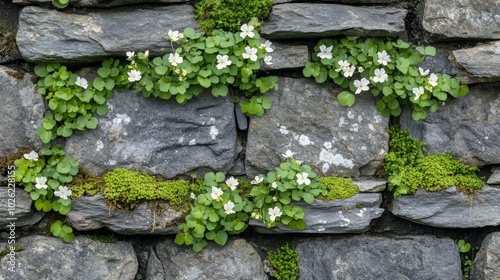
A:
x: 229, y: 15
x: 284, y: 263
x: 338, y: 188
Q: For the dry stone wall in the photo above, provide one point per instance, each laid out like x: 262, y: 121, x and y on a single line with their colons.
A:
x: 210, y: 134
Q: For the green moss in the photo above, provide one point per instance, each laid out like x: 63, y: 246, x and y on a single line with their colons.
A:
x: 84, y: 183
x: 229, y: 15
x: 284, y: 262
x: 338, y: 188
x: 404, y: 150
x: 103, y: 238
x: 6, y: 251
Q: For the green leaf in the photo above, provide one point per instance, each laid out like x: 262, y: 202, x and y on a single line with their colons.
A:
x: 197, y: 247
x: 39, y: 204
x: 34, y: 195
x: 102, y: 109
x: 179, y: 239
x: 429, y: 50
x: 47, y: 206
x: 346, y: 99
x: 308, y: 198
x: 104, y: 72
x: 221, y: 237
x: 220, y: 90
x: 40, y: 70
x: 246, y: 72
x: 189, y: 33
x: 61, y: 4
x: 63, y: 167
x: 204, y: 82
x: 68, y: 237
x: 161, y: 70
x: 91, y: 123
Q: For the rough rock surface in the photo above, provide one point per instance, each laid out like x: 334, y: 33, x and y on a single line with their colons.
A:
x: 50, y: 36
x: 370, y: 185
x: 335, y: 216
x: 90, y: 213
x: 21, y: 206
x: 235, y: 260
x: 287, y: 57
x: 364, y: 257
x: 450, y: 208
x: 337, y: 1
x: 159, y: 136
x: 467, y: 127
x: 439, y: 64
x: 9, y: 17
x: 494, y: 179
x: 486, y: 265
x: 100, y: 3
x: 304, y: 20
x: 52, y: 258
x: 480, y: 63
x: 307, y: 119
x: 21, y: 112
x: 475, y: 19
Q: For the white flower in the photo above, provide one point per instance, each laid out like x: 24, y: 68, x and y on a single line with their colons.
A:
x: 383, y: 57
x: 274, y: 185
x: 361, y: 69
x: 422, y: 72
x: 192, y: 195
x: 298, y: 162
x: 134, y: 76
x: 41, y: 183
x: 275, y: 199
x: 146, y: 54
x: 175, y: 59
x: 257, y: 180
x: 349, y: 71
x: 302, y: 178
x: 274, y: 213
x: 380, y: 76
x: 223, y: 61
x: 343, y: 64
x: 250, y: 53
x: 216, y: 193
x: 325, y: 52
x: 63, y: 192
x: 418, y: 92
x: 228, y: 207
x: 267, y: 60
x: 288, y: 154
x: 433, y: 80
x: 361, y: 85
x: 246, y: 30
x: 173, y: 35
x: 32, y: 156
x: 232, y: 183
x: 266, y: 45
x: 81, y: 82
x: 130, y: 55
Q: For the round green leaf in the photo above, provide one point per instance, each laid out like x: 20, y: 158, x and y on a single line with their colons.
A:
x: 346, y: 99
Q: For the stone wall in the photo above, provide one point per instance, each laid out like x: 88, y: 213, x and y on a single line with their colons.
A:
x: 407, y: 238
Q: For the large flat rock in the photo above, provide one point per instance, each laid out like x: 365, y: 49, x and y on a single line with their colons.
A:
x: 100, y: 3
x: 46, y: 35
x: 366, y: 257
x: 450, y: 208
x: 464, y: 19
x: 467, y: 127
x: 159, y: 136
x: 307, y: 119
x: 306, y: 20
x: 486, y: 265
x: 480, y: 63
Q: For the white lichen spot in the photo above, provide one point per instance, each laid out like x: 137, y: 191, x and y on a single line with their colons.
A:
x: 99, y: 145
x: 181, y: 140
x: 112, y: 162
x: 212, y: 120
x: 354, y: 127
x: 371, y: 127
x: 192, y: 142
x: 328, y: 145
x: 283, y: 130
x: 342, y: 122
x: 119, y: 122
x: 304, y: 140
x: 360, y: 118
x: 350, y: 115
x: 346, y: 221
x: 361, y: 212
x: 325, y: 168
x: 378, y: 118
x: 486, y: 138
x: 323, y: 222
x: 363, y: 148
x: 337, y: 159
x: 214, y: 132
x: 321, y: 229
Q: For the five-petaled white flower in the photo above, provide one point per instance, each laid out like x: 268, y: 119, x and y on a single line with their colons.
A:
x: 228, y: 207
x: 41, y: 182
x: 216, y: 193
x: 246, y: 30
x: 81, y: 82
x: 349, y: 71
x: 175, y: 59
x: 361, y: 85
x: 173, y: 35
x: 232, y: 183
x: 302, y: 179
x: 325, y: 52
x: 433, y: 78
x: 134, y: 76
x: 223, y: 61
x: 250, y: 53
x: 257, y: 180
x: 383, y: 58
x: 130, y: 55
x: 274, y: 185
x: 267, y: 60
x: 418, y: 92
x: 266, y: 45
x: 380, y: 76
x: 288, y: 154
x: 343, y: 64
x: 32, y: 156
x: 422, y: 72
x: 274, y: 213
x: 63, y: 192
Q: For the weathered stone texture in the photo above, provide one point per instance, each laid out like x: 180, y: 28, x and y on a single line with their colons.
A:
x: 364, y: 257
x: 370, y: 185
x: 287, y: 57
x: 450, y: 208
x: 474, y: 19
x: 52, y: 258
x: 90, y: 213
x: 101, y: 3
x: 486, y: 265
x: 307, y: 119
x: 235, y: 260
x: 494, y: 179
x: 21, y: 112
x: 480, y: 63
x: 20, y: 205
x: 50, y: 36
x: 306, y: 20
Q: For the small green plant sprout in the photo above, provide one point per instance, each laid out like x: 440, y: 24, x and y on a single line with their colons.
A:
x: 273, y: 194
x: 217, y: 211
x: 61, y: 4
x: 284, y: 263
x: 200, y: 62
x: 464, y: 247
x: 383, y: 67
x: 467, y: 255
x: 63, y: 231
